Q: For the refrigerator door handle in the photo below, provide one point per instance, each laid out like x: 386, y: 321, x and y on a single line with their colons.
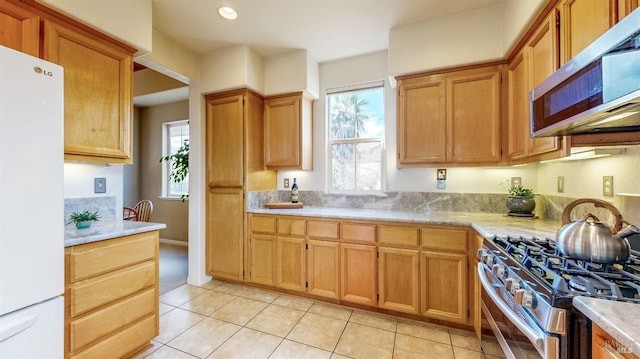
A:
x: 10, y: 329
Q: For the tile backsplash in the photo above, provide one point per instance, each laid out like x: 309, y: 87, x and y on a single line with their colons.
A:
x: 106, y: 206
x: 412, y: 201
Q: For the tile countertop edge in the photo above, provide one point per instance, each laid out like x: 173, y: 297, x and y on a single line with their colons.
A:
x: 107, y: 230
x: 613, y: 317
x: 486, y: 224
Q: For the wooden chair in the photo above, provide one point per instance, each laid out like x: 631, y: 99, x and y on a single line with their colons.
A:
x: 144, y: 209
x: 129, y: 214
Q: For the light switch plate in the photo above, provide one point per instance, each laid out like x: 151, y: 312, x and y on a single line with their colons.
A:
x: 516, y: 181
x: 100, y: 185
x: 560, y: 184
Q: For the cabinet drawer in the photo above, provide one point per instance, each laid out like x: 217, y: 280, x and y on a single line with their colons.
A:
x: 101, y: 257
x: 124, y: 342
x: 444, y: 239
x: 324, y: 229
x: 88, y: 329
x: 263, y: 225
x: 398, y: 235
x: 95, y: 292
x: 359, y: 232
x: 292, y: 227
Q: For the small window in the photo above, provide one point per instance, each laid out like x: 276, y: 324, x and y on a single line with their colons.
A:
x: 356, y: 139
x: 175, y: 137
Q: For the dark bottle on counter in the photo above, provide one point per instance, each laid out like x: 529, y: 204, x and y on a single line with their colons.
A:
x: 294, y: 192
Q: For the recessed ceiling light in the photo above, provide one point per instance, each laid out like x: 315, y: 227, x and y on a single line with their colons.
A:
x: 227, y: 13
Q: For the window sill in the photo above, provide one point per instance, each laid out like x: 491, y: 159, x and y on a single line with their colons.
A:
x: 171, y: 198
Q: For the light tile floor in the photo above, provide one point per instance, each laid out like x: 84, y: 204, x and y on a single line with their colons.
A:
x: 225, y: 320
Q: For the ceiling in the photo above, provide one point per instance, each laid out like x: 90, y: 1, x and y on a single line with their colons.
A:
x: 327, y: 29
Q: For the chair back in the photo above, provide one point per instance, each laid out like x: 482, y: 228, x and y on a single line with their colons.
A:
x: 129, y: 214
x: 144, y: 209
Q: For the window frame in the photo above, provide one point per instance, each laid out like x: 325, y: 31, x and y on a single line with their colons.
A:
x: 166, y: 165
x: 381, y: 139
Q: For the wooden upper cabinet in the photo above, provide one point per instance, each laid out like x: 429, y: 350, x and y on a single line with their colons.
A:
x: 421, y: 121
x: 20, y: 29
x: 225, y: 139
x: 583, y: 21
x: 288, y: 132
x: 451, y: 117
x: 98, y: 101
x: 473, y: 116
x: 625, y: 7
x: 518, y: 107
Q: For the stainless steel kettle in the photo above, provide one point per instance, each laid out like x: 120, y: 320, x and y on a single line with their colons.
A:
x: 590, y: 240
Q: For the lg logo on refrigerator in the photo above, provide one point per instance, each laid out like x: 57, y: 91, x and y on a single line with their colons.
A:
x: 39, y: 70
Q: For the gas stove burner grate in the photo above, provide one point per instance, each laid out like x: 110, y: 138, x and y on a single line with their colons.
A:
x: 589, y: 285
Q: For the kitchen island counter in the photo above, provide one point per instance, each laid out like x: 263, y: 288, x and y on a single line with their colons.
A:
x: 100, y: 231
x: 486, y: 224
x: 616, y: 318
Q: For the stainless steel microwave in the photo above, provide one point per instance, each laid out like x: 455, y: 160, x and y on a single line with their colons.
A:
x: 598, y: 91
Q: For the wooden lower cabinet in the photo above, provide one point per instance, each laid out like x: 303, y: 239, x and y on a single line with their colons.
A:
x: 604, y: 346
x: 224, y: 237
x: 323, y: 269
x: 111, y: 296
x: 358, y: 275
x: 263, y: 250
x: 444, y: 286
x: 290, y: 264
x: 398, y: 279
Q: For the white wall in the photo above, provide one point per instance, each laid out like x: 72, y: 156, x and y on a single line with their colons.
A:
x: 78, y: 181
x: 289, y: 72
x: 232, y: 67
x: 463, y: 38
x: 129, y: 21
x: 517, y: 17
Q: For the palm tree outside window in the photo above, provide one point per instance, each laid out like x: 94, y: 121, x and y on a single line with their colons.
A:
x: 356, y: 139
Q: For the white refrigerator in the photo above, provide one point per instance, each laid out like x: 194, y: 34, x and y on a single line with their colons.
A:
x: 31, y: 207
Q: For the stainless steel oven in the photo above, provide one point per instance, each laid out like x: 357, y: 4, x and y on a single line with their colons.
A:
x: 516, y: 334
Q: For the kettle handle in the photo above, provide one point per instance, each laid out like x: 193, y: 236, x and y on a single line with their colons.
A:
x: 566, y: 218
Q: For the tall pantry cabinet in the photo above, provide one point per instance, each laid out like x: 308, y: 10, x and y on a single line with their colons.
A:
x: 234, y: 166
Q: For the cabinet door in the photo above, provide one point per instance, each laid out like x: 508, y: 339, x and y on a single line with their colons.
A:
x: 225, y: 233
x: 473, y: 116
x: 287, y: 132
x: 225, y: 139
x: 625, y: 7
x: 444, y: 286
x: 604, y: 346
x: 421, y: 121
x: 544, y: 59
x: 398, y: 279
x: 263, y: 250
x: 518, y: 107
x: 358, y: 274
x: 323, y: 268
x: 583, y: 21
x: 98, y: 101
x: 290, y: 268
x: 20, y: 29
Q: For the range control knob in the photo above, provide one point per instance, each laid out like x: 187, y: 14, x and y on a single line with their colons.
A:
x: 488, y: 259
x: 481, y: 253
x: 512, y: 284
x: 498, y: 270
x: 524, y: 297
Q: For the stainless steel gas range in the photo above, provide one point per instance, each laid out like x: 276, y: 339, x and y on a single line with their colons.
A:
x: 527, y: 292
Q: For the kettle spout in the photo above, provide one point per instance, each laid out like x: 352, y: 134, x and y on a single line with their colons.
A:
x: 628, y: 231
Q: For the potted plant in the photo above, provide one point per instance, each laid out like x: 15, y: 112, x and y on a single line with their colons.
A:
x: 520, y: 201
x: 83, y: 219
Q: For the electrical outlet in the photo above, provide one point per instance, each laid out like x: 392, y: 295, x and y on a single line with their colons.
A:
x: 560, y: 184
x: 441, y: 184
x: 607, y: 186
x: 286, y: 183
x: 100, y: 185
x: 516, y: 181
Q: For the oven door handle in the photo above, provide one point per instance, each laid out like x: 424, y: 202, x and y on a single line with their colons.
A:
x: 535, y: 338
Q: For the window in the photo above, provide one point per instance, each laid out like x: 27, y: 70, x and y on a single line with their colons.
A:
x: 356, y: 138
x: 175, y: 136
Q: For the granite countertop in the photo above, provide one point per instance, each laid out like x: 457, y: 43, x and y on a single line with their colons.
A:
x: 485, y: 223
x: 106, y: 230
x: 616, y: 318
